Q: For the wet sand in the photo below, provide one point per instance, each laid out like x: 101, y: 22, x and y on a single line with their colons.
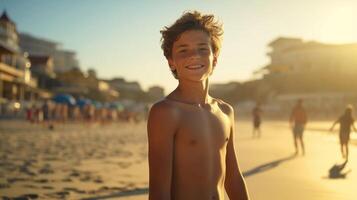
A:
x: 82, y: 161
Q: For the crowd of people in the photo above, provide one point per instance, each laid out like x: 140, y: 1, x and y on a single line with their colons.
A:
x: 50, y: 112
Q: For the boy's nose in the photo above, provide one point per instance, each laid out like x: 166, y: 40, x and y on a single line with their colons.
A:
x: 194, y: 54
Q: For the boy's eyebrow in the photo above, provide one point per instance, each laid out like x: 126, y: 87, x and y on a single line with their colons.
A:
x: 199, y: 44
x: 203, y: 43
x: 182, y: 45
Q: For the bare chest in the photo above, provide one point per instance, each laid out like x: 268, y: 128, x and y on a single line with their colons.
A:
x: 203, y: 127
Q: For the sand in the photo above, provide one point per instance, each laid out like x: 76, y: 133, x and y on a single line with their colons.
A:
x: 74, y: 161
x: 93, y: 161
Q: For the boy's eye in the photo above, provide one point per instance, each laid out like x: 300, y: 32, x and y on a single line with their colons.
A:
x: 203, y: 49
x: 182, y: 51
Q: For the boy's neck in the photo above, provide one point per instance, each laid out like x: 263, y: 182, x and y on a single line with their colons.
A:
x: 193, y: 92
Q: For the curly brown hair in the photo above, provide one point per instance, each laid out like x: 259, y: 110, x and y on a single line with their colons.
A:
x: 191, y: 20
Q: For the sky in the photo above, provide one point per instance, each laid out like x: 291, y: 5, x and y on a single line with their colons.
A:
x: 121, y: 38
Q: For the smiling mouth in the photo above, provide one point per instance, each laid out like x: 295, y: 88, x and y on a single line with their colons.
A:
x: 193, y: 67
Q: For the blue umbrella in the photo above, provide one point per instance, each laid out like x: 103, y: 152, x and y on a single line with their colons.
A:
x: 82, y: 102
x: 64, y: 99
x: 116, y: 105
x: 97, y: 104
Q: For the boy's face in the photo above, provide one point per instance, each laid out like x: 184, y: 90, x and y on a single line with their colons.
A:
x: 192, y: 56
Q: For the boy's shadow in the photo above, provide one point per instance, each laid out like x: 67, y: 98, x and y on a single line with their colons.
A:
x: 335, y: 171
x: 267, y: 166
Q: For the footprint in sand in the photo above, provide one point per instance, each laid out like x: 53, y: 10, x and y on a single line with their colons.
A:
x: 98, y: 180
x: 86, y: 178
x: 31, y: 186
x: 46, y: 170
x: 24, y: 169
x: 70, y: 189
x: 13, y: 180
x: 42, y: 180
x: 113, y: 189
x: 59, y: 195
x: 66, y: 179
x: 47, y: 187
x: 124, y: 165
x: 25, y: 197
x: 75, y: 173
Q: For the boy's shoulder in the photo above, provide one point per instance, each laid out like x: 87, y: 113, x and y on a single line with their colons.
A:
x: 224, y: 106
x: 163, y: 109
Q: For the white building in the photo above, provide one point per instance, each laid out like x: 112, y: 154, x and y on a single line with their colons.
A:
x: 64, y: 60
x: 8, y: 34
x: 293, y: 55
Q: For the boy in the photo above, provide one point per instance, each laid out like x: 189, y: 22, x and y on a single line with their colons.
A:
x: 191, y: 140
x: 298, y: 120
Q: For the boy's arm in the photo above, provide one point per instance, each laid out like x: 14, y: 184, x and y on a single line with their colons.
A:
x: 161, y: 129
x: 234, y: 182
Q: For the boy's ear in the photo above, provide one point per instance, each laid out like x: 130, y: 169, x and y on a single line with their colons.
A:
x: 171, y: 64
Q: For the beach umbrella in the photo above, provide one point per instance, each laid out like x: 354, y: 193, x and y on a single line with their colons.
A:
x: 116, y: 105
x: 83, y: 102
x: 64, y: 99
x: 97, y: 104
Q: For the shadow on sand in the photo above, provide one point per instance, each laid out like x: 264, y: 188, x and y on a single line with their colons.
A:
x: 335, y: 171
x: 141, y: 191
x: 123, y: 194
x: 267, y: 166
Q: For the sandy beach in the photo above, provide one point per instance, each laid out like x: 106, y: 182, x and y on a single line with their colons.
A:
x: 93, y: 161
x: 74, y: 161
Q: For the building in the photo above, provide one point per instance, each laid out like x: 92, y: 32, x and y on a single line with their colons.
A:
x: 37, y: 46
x: 293, y: 55
x: 321, y: 74
x: 63, y: 60
x: 297, y: 66
x: 42, y: 70
x: 128, y: 90
x: 9, y: 39
x: 16, y: 83
x: 121, y: 85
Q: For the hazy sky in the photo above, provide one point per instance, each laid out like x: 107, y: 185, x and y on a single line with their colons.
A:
x: 121, y: 38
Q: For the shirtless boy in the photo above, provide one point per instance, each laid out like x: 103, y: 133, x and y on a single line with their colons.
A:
x: 191, y: 134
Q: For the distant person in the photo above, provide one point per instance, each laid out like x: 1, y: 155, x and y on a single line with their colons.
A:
x: 47, y: 117
x: 191, y: 134
x: 257, y: 120
x: 346, y: 121
x: 46, y: 111
x: 298, y: 120
x: 30, y: 113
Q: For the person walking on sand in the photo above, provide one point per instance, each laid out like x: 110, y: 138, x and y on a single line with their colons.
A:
x: 191, y: 134
x: 346, y: 121
x: 298, y: 120
x: 257, y: 120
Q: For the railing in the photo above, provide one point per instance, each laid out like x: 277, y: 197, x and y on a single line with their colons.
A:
x: 19, y: 62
